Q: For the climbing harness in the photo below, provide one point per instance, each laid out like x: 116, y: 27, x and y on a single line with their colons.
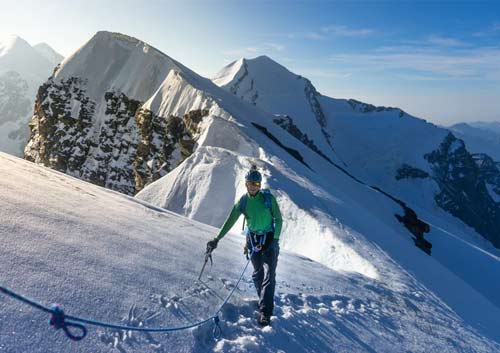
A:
x: 59, y: 319
x: 257, y: 241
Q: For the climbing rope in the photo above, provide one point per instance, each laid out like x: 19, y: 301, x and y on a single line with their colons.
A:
x: 60, y: 320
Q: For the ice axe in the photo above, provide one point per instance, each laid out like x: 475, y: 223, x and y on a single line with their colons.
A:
x: 208, y: 256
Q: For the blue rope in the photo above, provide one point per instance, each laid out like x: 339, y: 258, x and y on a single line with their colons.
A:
x: 60, y: 320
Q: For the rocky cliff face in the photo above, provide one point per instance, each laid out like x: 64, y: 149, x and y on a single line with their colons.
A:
x: 489, y: 173
x: 369, y: 108
x: 122, y: 148
x: 469, y: 185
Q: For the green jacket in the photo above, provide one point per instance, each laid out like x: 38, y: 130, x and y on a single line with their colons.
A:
x: 258, y: 216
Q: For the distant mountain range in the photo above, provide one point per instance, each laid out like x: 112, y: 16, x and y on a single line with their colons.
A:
x: 23, y: 68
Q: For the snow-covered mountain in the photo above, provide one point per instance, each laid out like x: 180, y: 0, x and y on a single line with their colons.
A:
x: 121, y: 114
x: 48, y: 53
x: 22, y: 69
x: 480, y: 137
x: 487, y: 125
x: 410, y: 158
x: 106, y: 256
x: 97, y: 116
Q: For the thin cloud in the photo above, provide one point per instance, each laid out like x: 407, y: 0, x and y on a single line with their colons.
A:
x: 307, y: 35
x: 346, y: 31
x: 330, y: 31
x: 445, y: 42
x: 477, y: 63
x: 251, y: 51
x: 241, y: 52
x: 492, y: 30
x: 322, y: 72
x: 433, y: 40
x: 275, y: 46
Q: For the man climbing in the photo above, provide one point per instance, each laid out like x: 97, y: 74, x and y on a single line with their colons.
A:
x: 263, y: 218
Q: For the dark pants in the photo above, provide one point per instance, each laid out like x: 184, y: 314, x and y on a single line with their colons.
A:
x: 264, y: 275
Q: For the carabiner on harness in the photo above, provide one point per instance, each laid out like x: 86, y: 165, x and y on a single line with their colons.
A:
x: 258, y: 245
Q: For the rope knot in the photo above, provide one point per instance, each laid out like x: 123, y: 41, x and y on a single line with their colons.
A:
x: 58, y: 320
x: 57, y: 317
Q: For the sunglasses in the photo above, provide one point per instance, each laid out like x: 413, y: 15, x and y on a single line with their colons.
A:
x: 253, y: 183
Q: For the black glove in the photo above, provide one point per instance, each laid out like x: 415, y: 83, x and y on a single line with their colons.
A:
x: 212, y: 245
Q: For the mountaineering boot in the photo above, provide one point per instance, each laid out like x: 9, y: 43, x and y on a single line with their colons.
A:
x: 264, y: 320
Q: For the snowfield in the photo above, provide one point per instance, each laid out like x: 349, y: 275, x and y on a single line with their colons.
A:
x: 110, y: 257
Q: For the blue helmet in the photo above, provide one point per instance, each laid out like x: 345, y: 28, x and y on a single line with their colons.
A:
x: 254, y: 176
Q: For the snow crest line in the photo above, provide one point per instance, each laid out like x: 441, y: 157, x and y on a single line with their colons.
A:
x: 59, y: 320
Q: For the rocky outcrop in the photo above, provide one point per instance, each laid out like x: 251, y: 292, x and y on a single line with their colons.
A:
x: 412, y: 223
x: 293, y: 152
x: 117, y: 144
x: 61, y: 125
x: 489, y: 173
x: 369, y: 108
x: 312, y: 98
x: 109, y: 162
x: 416, y: 227
x: 463, y: 192
x: 287, y: 124
x: 408, y: 172
x: 164, y: 143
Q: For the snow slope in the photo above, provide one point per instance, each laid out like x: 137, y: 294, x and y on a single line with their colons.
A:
x: 370, y: 141
x: 111, y: 257
x: 22, y: 69
x: 268, y: 85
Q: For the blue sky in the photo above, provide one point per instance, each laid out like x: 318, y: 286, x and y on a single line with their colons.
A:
x: 435, y: 60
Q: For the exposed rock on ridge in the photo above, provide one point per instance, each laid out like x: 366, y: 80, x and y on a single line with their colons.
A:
x: 123, y: 149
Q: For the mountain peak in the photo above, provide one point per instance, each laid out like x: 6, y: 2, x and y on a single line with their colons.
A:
x: 109, y: 59
x: 48, y: 53
x: 260, y: 65
x: 12, y: 43
x: 106, y: 35
x: 263, y: 60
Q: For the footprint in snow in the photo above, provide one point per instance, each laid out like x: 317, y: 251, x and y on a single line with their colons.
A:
x: 122, y: 340
x: 227, y: 283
